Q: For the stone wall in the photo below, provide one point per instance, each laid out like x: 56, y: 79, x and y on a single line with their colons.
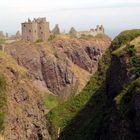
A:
x: 38, y: 29
x: 93, y: 32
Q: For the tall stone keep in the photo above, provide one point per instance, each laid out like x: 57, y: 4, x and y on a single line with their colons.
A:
x: 38, y: 29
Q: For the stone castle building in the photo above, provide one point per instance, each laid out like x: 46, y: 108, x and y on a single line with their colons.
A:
x: 38, y: 29
x: 93, y: 32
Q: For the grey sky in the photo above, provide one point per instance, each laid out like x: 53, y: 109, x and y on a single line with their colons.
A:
x: 115, y: 15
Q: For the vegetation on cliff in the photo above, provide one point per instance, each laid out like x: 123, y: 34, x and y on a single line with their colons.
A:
x: 2, y: 101
x: 60, y: 117
x: 51, y: 101
x: 108, y: 107
x: 2, y: 41
x: 124, y: 38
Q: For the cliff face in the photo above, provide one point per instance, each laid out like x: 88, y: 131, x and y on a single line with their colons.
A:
x: 61, y: 67
x: 32, y: 70
x: 108, y: 107
x: 24, y: 110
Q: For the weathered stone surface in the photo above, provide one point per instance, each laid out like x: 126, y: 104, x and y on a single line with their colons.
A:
x: 56, y: 29
x: 54, y: 67
x: 62, y: 67
x: 72, y: 31
x: 24, y: 113
x: 84, y: 53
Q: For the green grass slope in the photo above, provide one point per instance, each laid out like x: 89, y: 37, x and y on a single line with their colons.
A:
x: 60, y: 116
x: 93, y: 115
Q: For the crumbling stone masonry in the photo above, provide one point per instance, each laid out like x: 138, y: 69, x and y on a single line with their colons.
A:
x: 35, y: 30
x: 93, y: 32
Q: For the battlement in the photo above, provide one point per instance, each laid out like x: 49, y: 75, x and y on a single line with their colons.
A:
x: 35, y: 20
x: 36, y: 29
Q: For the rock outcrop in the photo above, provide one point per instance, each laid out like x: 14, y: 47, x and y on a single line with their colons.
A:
x: 24, y: 114
x: 61, y: 67
x: 56, y: 30
x: 54, y: 67
x: 72, y: 31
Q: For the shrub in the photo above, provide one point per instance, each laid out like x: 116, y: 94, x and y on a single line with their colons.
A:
x: 131, y: 50
x: 135, y: 63
x: 126, y: 102
x: 52, y: 37
x: 51, y: 101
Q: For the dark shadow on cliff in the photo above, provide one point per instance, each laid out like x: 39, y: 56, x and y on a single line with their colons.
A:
x: 92, y: 121
x: 100, y: 119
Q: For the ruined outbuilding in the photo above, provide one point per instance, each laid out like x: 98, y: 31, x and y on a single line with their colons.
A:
x: 92, y: 32
x: 56, y: 30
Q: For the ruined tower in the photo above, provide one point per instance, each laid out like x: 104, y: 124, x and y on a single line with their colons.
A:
x: 38, y: 29
x: 56, y: 29
x: 72, y: 31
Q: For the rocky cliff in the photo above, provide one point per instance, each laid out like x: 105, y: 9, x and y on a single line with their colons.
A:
x: 30, y: 71
x: 62, y: 66
x: 23, y: 114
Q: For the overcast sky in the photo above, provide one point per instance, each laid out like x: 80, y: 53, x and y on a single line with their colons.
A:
x: 115, y: 15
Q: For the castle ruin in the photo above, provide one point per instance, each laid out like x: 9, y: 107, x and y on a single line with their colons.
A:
x: 38, y: 29
x: 56, y: 30
x: 35, y: 30
x: 93, y: 32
